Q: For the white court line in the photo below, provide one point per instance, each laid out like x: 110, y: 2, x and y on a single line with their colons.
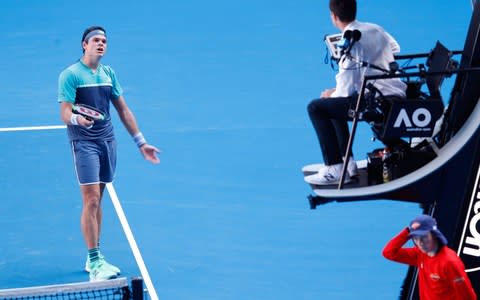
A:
x: 120, y: 214
x: 131, y: 241
x: 32, y: 128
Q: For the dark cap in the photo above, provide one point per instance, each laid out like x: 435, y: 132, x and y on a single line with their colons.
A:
x: 427, y: 224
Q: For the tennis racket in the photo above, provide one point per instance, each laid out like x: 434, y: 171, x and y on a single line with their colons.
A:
x: 88, y: 112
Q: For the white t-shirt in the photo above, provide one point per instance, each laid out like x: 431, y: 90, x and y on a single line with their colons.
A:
x: 375, y: 47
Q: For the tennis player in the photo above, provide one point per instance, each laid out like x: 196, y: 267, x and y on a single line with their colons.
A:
x: 88, y: 82
x: 441, y: 273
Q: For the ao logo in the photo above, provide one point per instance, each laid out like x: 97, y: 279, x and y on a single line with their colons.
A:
x: 474, y: 239
x: 421, y: 117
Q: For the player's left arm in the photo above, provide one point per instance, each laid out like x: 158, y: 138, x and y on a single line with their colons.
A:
x: 148, y: 151
x: 460, y: 281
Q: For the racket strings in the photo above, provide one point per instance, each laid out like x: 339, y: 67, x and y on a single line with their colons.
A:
x: 88, y: 112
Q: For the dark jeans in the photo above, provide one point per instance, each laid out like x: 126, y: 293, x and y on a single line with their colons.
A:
x: 329, y: 117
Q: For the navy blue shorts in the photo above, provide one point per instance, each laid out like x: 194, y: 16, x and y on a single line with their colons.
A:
x: 95, y: 161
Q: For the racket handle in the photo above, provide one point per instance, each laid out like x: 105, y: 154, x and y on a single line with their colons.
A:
x: 74, y: 119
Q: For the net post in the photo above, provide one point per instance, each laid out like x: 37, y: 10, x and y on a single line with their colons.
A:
x: 137, y: 288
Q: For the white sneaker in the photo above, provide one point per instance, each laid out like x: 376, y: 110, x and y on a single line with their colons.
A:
x: 328, y: 175
x: 352, y: 167
x: 99, y: 272
x: 105, y: 264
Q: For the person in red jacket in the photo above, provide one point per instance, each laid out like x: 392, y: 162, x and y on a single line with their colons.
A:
x: 441, y: 273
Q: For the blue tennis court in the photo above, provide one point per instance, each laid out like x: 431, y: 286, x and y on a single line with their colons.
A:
x: 221, y: 88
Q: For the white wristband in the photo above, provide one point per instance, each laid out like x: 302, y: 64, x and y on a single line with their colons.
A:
x: 74, y: 119
x: 139, y: 139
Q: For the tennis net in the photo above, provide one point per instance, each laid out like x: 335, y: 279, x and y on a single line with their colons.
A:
x: 119, y: 288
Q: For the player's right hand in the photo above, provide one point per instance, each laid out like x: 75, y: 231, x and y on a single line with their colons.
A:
x: 414, y: 226
x: 82, y: 121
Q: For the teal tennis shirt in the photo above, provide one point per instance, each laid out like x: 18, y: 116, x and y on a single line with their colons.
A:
x: 79, y: 84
